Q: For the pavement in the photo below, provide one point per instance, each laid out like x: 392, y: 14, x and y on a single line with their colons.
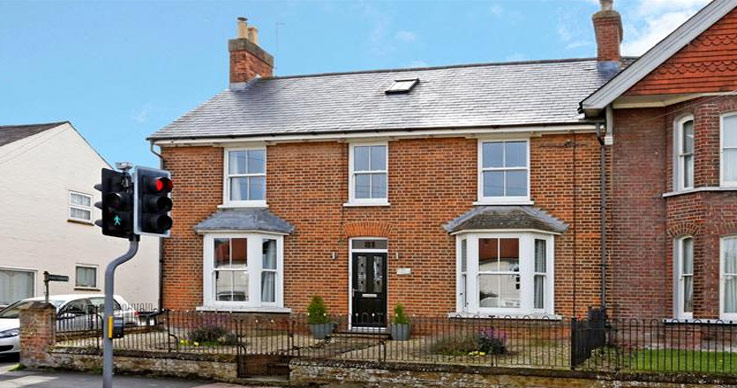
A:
x: 10, y: 378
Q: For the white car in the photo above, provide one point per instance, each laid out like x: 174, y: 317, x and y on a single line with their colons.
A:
x: 73, y: 313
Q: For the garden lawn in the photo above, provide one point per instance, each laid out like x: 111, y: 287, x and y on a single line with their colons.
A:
x: 677, y: 360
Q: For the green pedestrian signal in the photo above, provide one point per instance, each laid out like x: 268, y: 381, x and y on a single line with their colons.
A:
x: 117, y: 203
x: 116, y: 220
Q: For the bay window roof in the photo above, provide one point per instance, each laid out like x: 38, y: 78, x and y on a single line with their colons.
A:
x: 255, y: 220
x: 506, y: 217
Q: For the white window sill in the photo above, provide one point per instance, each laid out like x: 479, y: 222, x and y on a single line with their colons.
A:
x: 80, y: 221
x: 531, y: 316
x: 489, y: 202
x: 676, y: 321
x: 366, y: 204
x: 699, y: 190
x: 245, y: 309
x: 249, y: 205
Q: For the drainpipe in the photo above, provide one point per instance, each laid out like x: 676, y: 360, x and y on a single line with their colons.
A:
x: 603, y: 215
x: 161, y: 240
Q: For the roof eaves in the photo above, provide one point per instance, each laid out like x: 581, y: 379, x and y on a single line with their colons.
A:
x: 658, y: 54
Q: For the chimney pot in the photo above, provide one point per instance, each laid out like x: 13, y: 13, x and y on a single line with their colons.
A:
x: 253, y: 34
x: 607, y: 5
x: 242, y: 28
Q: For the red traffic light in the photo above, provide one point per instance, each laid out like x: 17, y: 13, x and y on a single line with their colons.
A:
x: 161, y: 185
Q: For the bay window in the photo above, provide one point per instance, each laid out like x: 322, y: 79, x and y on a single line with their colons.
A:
x: 504, y: 172
x: 729, y: 150
x: 243, y: 271
x: 245, y: 177
x: 684, y: 151
x: 505, y: 273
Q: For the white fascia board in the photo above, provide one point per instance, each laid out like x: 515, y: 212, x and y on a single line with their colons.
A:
x: 387, y: 135
x: 660, y: 53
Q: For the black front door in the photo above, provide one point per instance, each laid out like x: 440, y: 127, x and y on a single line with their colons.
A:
x: 369, y: 290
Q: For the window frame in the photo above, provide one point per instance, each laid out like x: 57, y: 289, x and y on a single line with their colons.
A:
x: 722, y: 280
x: 88, y: 266
x: 33, y: 272
x: 679, y: 284
x: 254, y: 251
x: 679, y: 159
x: 527, y: 274
x: 501, y: 200
x: 227, y: 176
x: 722, y: 181
x: 80, y: 207
x: 352, y: 200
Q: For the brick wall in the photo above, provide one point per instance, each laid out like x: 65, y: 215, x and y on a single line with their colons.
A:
x: 38, y: 333
x: 646, y: 224
x: 431, y: 181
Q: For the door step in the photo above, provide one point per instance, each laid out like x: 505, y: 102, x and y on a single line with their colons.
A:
x: 375, y: 335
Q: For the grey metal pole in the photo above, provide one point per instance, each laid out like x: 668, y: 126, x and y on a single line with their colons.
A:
x: 107, y: 341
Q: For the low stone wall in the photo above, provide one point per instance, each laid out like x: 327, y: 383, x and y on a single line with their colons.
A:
x: 204, y: 366
x: 368, y: 374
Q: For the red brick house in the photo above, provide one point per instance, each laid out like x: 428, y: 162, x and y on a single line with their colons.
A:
x: 521, y: 189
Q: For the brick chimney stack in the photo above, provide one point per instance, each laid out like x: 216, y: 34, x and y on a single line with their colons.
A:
x: 609, y: 34
x: 247, y: 59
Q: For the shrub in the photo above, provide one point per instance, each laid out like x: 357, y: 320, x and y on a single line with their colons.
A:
x: 486, y: 341
x: 492, y: 341
x: 400, y: 317
x: 317, y: 312
x: 212, y: 335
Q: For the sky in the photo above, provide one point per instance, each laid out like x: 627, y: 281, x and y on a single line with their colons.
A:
x: 119, y: 71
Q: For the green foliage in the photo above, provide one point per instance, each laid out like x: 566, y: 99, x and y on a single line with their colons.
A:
x: 317, y: 312
x: 400, y: 317
x: 211, y: 335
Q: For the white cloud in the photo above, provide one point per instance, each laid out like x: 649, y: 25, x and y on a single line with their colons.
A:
x: 496, y: 10
x: 405, y: 36
x: 418, y: 63
x: 653, y: 20
x: 141, y: 116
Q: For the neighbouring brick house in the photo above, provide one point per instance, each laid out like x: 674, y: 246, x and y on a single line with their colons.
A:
x: 472, y: 190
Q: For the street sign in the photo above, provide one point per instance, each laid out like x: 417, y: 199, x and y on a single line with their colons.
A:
x: 56, y: 278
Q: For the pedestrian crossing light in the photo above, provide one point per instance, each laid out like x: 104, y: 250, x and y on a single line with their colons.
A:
x: 151, y: 201
x: 116, y: 205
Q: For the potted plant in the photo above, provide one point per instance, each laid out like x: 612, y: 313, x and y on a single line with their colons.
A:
x: 318, y: 319
x: 400, y: 327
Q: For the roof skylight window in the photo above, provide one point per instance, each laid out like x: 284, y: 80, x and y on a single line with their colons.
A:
x: 402, y: 86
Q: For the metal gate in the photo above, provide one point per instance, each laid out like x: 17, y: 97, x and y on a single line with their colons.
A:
x: 586, y: 336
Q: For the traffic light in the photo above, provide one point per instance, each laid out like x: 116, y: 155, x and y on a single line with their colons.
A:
x: 151, y: 201
x: 116, y: 205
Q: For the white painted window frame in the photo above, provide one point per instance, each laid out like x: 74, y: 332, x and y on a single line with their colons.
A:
x: 527, y: 268
x: 501, y: 200
x: 722, y: 181
x: 254, y: 251
x: 679, y: 159
x: 32, y: 271
x: 722, y: 280
x: 679, y: 285
x: 97, y: 279
x: 226, y: 178
x: 81, y: 207
x: 352, y: 200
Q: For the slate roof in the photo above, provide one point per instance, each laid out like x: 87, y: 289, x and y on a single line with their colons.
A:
x: 506, y: 217
x: 13, y: 133
x: 483, y: 95
x: 256, y: 219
